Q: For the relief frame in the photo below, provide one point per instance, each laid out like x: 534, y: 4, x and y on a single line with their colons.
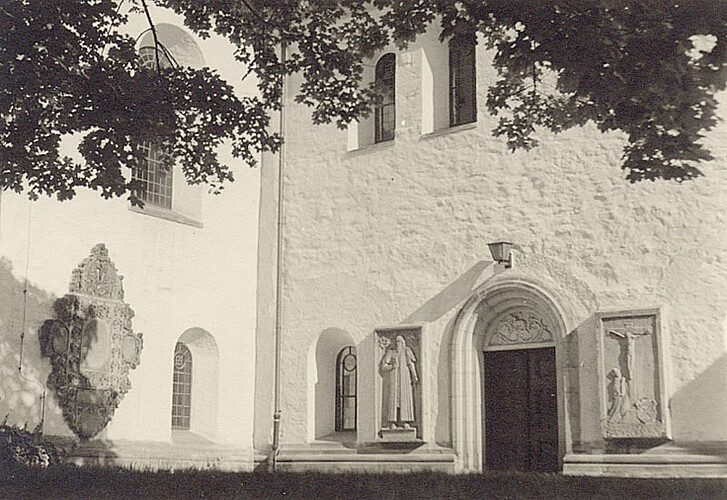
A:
x: 632, y: 375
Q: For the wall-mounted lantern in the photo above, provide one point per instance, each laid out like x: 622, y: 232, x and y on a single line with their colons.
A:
x: 501, y: 252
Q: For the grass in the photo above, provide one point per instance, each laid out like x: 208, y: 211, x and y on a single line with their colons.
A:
x: 97, y: 482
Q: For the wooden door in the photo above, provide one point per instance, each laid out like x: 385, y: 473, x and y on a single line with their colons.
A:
x: 521, y: 410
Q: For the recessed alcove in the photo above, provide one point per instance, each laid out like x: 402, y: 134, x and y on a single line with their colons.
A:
x: 322, y: 393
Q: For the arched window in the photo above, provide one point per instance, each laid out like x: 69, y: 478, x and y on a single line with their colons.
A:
x: 385, y: 112
x: 462, y: 80
x: 154, y: 176
x: 168, y: 46
x: 182, y: 388
x: 148, y: 57
x: 346, y: 389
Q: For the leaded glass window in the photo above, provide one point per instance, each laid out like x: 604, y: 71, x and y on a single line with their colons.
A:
x: 385, y: 111
x: 148, y: 58
x: 462, y: 80
x: 346, y: 389
x: 182, y: 388
x: 153, y: 174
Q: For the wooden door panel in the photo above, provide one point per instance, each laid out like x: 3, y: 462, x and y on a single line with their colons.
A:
x: 521, y: 414
x: 543, y: 405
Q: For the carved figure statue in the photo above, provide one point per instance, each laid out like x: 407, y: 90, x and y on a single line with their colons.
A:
x: 619, y: 396
x: 398, y: 369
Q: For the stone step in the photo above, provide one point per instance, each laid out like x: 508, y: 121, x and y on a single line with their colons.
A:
x: 366, y: 461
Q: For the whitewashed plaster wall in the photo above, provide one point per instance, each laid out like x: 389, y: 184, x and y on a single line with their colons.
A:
x: 176, y: 277
x: 372, y: 234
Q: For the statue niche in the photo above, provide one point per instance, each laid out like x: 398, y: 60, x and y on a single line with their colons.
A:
x: 91, y: 345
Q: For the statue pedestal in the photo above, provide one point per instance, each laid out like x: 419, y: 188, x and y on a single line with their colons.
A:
x: 398, y: 435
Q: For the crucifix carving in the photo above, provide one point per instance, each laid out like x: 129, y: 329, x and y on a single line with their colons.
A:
x: 632, y: 384
x: 630, y: 346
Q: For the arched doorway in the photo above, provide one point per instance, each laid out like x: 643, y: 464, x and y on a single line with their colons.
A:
x: 508, y: 405
x: 520, y: 393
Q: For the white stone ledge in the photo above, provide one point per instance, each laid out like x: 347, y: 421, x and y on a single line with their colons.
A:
x: 645, y: 458
x: 448, y: 130
x: 646, y: 465
x: 373, y: 147
x: 367, y: 457
x: 164, y: 213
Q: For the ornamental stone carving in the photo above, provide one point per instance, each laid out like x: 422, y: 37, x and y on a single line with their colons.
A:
x: 632, y: 387
x: 520, y: 328
x: 91, y: 345
x: 96, y: 276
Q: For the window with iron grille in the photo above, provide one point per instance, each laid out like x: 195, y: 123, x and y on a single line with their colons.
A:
x: 346, y: 389
x: 148, y: 57
x: 182, y: 388
x: 153, y: 175
x: 462, y: 80
x: 385, y: 112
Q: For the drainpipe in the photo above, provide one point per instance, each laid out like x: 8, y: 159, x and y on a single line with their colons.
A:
x: 279, y: 271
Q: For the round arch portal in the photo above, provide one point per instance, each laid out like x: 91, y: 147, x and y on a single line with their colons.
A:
x: 472, y: 333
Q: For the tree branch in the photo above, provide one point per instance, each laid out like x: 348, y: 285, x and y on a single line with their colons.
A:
x: 154, y: 34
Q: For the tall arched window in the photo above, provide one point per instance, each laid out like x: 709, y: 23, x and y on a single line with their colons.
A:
x: 385, y: 112
x: 462, y: 81
x: 182, y: 388
x: 346, y: 389
x: 154, y: 176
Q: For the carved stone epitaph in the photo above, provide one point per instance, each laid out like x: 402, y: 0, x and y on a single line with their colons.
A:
x: 91, y: 345
x: 398, y: 365
x: 632, y: 376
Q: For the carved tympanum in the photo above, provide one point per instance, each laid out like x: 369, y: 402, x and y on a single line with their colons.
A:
x: 91, y: 345
x: 520, y: 328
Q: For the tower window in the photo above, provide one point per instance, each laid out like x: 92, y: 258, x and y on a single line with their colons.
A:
x: 385, y: 112
x: 462, y: 80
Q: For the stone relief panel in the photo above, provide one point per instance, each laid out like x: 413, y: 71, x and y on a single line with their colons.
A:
x: 520, y: 327
x: 398, y: 386
x: 632, y: 378
x: 91, y: 345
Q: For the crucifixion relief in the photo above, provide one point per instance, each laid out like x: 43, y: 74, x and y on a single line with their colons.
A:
x: 633, y: 380
x: 629, y: 346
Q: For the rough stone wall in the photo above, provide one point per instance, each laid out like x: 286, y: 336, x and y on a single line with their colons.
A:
x: 374, y: 233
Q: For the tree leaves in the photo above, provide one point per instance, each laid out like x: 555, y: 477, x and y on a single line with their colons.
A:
x: 639, y: 67
x: 66, y: 69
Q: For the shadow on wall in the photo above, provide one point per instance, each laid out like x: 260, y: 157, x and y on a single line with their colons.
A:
x: 572, y: 386
x: 699, y: 409
x: 442, y: 431
x: 21, y: 391
x: 453, y: 295
x: 435, y: 309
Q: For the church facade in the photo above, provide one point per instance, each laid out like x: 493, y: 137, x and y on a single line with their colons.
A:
x: 535, y: 310
x: 412, y: 296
